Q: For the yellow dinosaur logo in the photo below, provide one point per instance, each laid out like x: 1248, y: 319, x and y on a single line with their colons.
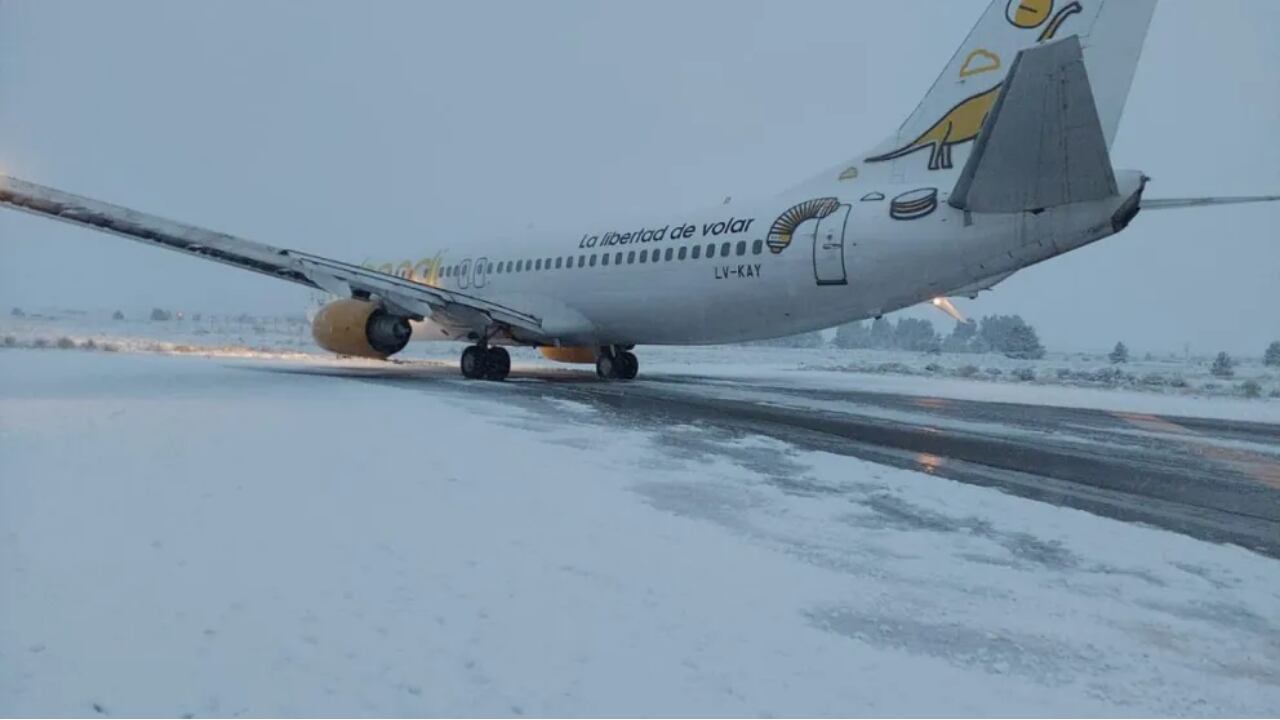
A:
x: 961, y: 124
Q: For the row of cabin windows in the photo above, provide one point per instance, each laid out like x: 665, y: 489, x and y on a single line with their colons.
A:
x: 628, y: 257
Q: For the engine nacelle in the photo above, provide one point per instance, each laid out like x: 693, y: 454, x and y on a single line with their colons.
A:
x: 583, y: 355
x: 360, y: 328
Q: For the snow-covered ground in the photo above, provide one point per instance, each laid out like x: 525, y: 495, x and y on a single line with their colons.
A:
x: 207, y: 536
x: 1162, y: 385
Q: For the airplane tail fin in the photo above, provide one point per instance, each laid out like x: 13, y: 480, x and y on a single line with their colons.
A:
x: 952, y: 113
x: 1042, y: 144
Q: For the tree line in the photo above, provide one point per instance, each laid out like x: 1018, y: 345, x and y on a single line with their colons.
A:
x: 1007, y: 334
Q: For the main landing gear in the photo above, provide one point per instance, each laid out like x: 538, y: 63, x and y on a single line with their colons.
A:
x: 481, y: 362
x: 617, y: 364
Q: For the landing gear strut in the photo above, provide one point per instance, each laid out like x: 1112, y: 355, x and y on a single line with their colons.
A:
x: 616, y: 364
x: 481, y: 362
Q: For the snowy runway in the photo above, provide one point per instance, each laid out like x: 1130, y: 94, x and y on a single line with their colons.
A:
x: 182, y: 535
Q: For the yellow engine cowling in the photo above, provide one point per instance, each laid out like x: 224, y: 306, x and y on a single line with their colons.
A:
x: 360, y: 328
x: 573, y: 354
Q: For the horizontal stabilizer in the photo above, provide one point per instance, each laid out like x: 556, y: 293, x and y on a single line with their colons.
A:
x: 1042, y: 145
x: 1172, y: 203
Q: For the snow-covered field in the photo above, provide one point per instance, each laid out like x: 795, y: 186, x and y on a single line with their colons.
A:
x: 1162, y: 385
x: 206, y: 536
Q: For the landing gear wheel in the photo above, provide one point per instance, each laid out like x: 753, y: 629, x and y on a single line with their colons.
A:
x: 629, y: 366
x: 498, y: 361
x: 607, y: 366
x: 474, y: 362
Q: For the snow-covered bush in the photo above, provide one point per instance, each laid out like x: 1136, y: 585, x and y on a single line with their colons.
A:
x: 1250, y: 389
x: 1154, y: 380
x: 1223, y: 366
x: 1119, y: 355
x: 1271, y: 358
x: 66, y: 343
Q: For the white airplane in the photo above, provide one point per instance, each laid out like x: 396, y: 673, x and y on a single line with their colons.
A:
x: 1005, y: 163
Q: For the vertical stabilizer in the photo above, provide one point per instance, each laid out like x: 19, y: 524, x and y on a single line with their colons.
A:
x: 952, y: 113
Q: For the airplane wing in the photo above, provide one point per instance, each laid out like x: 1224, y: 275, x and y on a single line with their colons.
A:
x: 1173, y: 203
x: 405, y: 297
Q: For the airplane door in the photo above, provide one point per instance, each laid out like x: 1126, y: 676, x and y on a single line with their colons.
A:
x: 464, y: 274
x: 828, y: 248
x: 481, y: 275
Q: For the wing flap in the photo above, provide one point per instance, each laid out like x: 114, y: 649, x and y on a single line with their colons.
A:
x: 1042, y: 144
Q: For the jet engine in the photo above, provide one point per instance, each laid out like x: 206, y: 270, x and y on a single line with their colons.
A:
x: 572, y: 354
x: 360, y: 328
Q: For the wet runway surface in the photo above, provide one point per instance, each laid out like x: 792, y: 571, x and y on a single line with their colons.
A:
x: 1217, y: 480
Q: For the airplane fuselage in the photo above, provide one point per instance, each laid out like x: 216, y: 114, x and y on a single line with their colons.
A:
x: 728, y: 275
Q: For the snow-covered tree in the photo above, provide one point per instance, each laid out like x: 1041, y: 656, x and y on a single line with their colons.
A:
x: 1272, y: 357
x: 881, y: 333
x: 853, y: 336
x: 961, y: 337
x: 117, y: 315
x: 916, y: 335
x: 1223, y: 366
x: 1023, y: 343
x: 160, y: 315
x: 1009, y: 334
x: 1119, y: 355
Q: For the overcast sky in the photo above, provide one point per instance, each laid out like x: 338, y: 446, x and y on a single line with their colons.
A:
x: 368, y: 130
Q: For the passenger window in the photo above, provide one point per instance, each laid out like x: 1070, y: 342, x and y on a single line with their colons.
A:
x: 644, y: 255
x: 604, y: 259
x: 667, y: 255
x: 725, y: 249
x: 742, y: 247
x: 582, y: 260
x: 592, y: 261
x: 711, y: 250
x: 631, y: 257
x: 617, y: 259
x: 488, y: 269
x: 757, y: 247
x: 510, y: 266
x: 537, y: 265
x: 697, y: 252
x: 546, y: 264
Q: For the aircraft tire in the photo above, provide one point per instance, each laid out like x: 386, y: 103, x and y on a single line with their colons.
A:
x: 629, y: 366
x: 498, y: 362
x: 473, y: 363
x: 607, y: 366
